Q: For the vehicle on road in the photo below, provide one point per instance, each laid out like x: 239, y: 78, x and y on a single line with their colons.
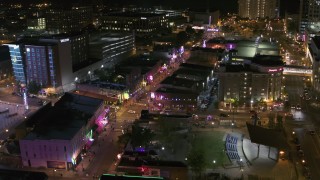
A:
x: 131, y: 111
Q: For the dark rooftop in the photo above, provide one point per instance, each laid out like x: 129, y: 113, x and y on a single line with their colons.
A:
x: 236, y: 68
x: 133, y: 14
x: 108, y: 85
x: 174, y: 90
x: 123, y: 177
x: 316, y: 40
x: 6, y: 174
x: 268, y: 137
x: 187, y: 73
x: 50, y: 36
x: 219, y: 50
x: 140, y: 60
x: 216, y: 40
x: 196, y: 67
x: 64, y: 119
x: 173, y: 80
x: 140, y: 162
x: 267, y: 60
x: 4, y: 53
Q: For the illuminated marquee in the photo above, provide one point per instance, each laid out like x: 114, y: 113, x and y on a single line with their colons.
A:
x: 275, y: 70
x: 64, y: 40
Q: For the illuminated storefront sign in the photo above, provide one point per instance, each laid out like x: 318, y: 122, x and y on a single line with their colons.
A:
x: 64, y: 40
x: 275, y: 70
x: 152, y: 95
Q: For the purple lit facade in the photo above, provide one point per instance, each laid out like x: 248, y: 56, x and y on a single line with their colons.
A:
x: 57, y: 151
x: 230, y: 46
x: 178, y: 101
x: 40, y: 65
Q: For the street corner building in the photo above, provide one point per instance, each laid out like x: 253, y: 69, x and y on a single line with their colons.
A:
x: 55, y: 136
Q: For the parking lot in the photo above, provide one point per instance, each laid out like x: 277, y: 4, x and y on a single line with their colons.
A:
x: 11, y: 114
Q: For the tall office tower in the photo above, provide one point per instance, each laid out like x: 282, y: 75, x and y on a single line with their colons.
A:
x: 310, y: 15
x: 140, y: 23
x: 44, y: 61
x: 303, y: 15
x: 258, y: 8
x: 16, y: 55
x: 67, y: 20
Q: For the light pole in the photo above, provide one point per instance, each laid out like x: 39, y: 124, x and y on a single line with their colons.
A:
x: 89, y: 74
x: 54, y: 170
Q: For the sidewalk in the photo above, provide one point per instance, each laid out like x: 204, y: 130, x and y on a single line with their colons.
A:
x: 85, y: 167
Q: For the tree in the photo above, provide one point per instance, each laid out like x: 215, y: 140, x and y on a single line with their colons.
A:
x: 293, y: 26
x: 182, y: 38
x: 33, y: 87
x: 198, y: 36
x: 196, y: 160
x: 271, y: 117
x: 279, y: 121
x: 166, y: 135
x: 190, y: 31
x: 141, y: 136
x: 124, y: 139
x: 103, y: 74
x: 235, y: 102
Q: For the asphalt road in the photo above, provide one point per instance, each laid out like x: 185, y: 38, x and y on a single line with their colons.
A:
x: 303, y: 121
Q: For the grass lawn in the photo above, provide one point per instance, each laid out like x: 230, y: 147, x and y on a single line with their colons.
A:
x: 213, y: 145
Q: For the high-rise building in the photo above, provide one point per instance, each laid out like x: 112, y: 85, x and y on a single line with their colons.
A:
x: 110, y: 47
x: 68, y: 20
x: 303, y: 15
x: 258, y: 8
x: 309, y: 16
x: 36, y: 24
x: 140, y: 23
x: 47, y: 62
x: 40, y: 66
x: 56, y: 62
x: 79, y: 46
x: 16, y: 55
x: 252, y: 81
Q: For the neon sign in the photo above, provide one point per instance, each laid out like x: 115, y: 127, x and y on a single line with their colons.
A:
x: 275, y: 70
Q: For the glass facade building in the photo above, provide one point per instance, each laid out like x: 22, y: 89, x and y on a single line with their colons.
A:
x: 17, y: 62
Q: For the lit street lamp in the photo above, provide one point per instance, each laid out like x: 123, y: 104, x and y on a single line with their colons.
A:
x: 214, y: 164
x: 54, y: 170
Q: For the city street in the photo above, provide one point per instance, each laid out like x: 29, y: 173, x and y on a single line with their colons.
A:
x: 302, y: 121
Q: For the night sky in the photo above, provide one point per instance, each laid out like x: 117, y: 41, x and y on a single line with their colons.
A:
x: 224, y: 6
x: 291, y: 6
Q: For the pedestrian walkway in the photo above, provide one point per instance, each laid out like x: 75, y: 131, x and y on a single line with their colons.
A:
x: 247, y: 162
